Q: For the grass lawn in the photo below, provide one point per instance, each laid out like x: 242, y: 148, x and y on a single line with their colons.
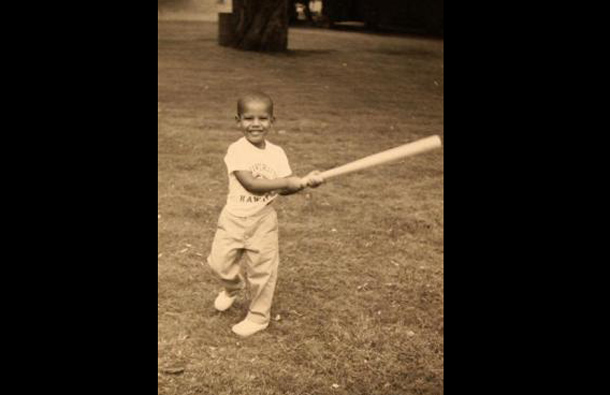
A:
x: 358, y: 307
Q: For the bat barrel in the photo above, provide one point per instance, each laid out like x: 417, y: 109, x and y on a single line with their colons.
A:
x: 403, y: 151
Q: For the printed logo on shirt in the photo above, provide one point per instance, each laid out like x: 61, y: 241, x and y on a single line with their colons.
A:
x: 255, y: 199
x: 261, y: 170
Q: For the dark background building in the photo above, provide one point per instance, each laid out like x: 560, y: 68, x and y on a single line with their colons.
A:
x: 418, y: 16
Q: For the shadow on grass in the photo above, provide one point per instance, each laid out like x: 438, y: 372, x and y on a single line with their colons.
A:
x: 412, y: 53
x: 305, y: 53
x: 387, y: 31
x: 290, y: 53
x: 183, y: 40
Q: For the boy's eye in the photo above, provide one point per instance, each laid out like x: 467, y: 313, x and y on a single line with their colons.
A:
x: 251, y: 118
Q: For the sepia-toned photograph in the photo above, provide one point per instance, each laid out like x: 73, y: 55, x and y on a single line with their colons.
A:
x: 300, y: 197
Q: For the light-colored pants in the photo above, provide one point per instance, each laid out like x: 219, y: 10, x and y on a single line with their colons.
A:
x: 256, y: 237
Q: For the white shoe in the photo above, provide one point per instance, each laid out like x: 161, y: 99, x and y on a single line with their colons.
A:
x: 247, y: 328
x: 224, y: 301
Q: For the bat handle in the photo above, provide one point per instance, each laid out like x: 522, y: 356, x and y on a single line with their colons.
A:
x: 308, y: 177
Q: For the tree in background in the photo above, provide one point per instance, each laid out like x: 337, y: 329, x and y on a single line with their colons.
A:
x: 260, y: 25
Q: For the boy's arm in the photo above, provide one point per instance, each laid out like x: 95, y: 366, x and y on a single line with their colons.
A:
x: 286, y: 191
x: 312, y: 180
x: 260, y: 186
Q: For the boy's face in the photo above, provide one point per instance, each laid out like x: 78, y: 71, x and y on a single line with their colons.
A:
x: 255, y: 122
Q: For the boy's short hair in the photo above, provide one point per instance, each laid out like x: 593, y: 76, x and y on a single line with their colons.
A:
x: 254, y: 96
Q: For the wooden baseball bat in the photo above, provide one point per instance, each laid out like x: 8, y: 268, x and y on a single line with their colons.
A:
x: 383, y: 157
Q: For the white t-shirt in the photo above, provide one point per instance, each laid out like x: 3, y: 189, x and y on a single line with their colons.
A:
x: 268, y: 163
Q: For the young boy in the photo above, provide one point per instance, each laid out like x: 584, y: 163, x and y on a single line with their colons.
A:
x: 258, y: 172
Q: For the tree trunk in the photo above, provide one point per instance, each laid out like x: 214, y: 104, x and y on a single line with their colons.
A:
x: 261, y: 25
